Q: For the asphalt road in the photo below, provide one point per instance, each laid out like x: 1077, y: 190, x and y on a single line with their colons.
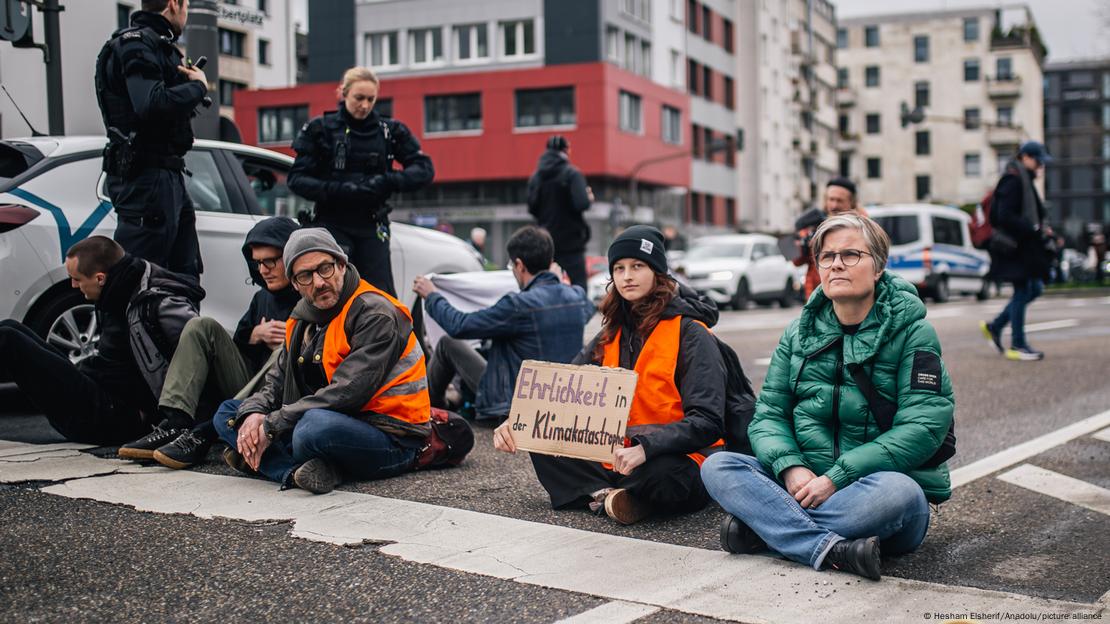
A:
x: 74, y: 559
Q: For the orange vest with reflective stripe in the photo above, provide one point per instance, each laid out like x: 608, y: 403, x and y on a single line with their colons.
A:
x: 657, y: 400
x: 404, y: 394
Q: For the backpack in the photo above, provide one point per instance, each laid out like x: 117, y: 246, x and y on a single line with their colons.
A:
x: 739, y: 402
x: 448, y: 441
x: 980, y: 224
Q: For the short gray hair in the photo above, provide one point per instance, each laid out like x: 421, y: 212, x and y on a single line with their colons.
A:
x: 878, y: 243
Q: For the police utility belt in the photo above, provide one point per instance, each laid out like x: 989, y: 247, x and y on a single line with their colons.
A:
x: 122, y: 159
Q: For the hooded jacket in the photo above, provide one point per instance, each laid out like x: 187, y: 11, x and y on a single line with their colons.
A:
x: 557, y: 198
x: 699, y: 376
x: 273, y: 306
x: 811, y: 413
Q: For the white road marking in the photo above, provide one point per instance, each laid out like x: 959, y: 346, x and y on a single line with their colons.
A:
x: 617, y: 612
x: 1021, y: 452
x: 1077, y: 303
x: 1059, y: 486
x: 711, y: 583
x: 763, y: 362
x: 1103, y: 435
x: 934, y: 313
x: 1050, y: 325
x: 1104, y: 301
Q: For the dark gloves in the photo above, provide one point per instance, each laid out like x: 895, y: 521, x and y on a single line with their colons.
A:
x: 376, y: 188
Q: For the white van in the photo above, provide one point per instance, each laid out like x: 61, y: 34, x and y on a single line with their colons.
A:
x: 930, y: 246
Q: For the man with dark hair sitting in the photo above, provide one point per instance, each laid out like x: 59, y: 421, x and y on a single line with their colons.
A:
x: 141, y: 310
x: 544, y: 321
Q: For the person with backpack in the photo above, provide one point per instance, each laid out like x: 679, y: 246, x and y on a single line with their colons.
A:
x: 660, y: 329
x: 852, y: 427
x: 558, y: 198
x: 345, y: 162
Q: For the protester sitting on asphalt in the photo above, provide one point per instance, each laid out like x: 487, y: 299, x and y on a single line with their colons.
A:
x: 348, y: 395
x: 210, y: 366
x: 849, y: 487
x: 544, y: 321
x: 141, y: 310
x: 659, y: 329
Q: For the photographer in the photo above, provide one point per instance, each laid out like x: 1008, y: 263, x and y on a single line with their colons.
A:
x: 840, y: 198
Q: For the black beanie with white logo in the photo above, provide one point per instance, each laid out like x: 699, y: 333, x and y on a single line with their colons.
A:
x: 643, y: 242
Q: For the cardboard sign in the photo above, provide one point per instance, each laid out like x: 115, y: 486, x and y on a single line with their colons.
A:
x: 573, y: 411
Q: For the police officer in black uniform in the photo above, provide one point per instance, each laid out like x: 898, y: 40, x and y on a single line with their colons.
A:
x: 345, y: 164
x: 147, y: 96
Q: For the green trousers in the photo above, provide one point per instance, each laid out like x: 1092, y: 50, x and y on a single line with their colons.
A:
x: 206, y: 369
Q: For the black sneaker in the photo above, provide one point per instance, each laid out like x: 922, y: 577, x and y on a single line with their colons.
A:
x: 144, y: 447
x: 858, y: 556
x: 187, y: 449
x: 316, y: 476
x: 233, y: 459
x: 738, y: 538
x: 994, y: 337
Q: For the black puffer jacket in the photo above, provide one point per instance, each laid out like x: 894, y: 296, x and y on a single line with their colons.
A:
x: 557, y: 197
x: 1017, y: 210
x: 272, y: 306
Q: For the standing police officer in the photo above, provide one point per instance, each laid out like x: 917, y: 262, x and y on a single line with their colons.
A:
x: 345, y: 164
x: 147, y: 97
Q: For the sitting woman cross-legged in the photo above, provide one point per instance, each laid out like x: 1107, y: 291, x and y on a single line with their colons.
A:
x: 829, y: 487
x: 658, y: 329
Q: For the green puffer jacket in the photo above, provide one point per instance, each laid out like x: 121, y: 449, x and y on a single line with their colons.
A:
x: 832, y: 431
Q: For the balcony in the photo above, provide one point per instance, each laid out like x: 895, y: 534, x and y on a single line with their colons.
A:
x: 1006, y: 87
x: 848, y: 142
x: 845, y: 97
x: 1003, y: 136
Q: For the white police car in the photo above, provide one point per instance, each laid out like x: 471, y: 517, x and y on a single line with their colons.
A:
x: 930, y: 246
x: 52, y: 195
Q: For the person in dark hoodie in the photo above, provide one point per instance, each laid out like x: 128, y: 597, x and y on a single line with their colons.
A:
x: 210, y: 366
x: 141, y: 310
x: 658, y: 328
x: 345, y: 164
x: 558, y: 197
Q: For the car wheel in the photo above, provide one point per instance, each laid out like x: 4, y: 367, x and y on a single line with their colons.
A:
x: 742, y: 296
x: 940, y: 291
x: 788, y: 294
x: 984, y: 292
x: 68, y: 322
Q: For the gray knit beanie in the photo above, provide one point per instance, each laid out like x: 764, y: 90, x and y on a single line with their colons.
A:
x: 310, y: 239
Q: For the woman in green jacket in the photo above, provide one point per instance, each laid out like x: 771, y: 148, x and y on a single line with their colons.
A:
x: 827, y: 487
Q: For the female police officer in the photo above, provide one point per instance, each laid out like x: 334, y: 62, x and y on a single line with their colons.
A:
x: 345, y: 164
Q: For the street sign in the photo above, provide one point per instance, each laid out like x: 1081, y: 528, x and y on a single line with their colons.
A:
x: 15, y: 20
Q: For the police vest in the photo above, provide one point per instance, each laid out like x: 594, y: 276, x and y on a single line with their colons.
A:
x: 404, y: 394
x: 364, y: 152
x: 657, y: 401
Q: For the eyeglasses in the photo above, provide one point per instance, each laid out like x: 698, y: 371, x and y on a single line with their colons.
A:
x: 269, y: 263
x: 325, y: 270
x: 850, y: 258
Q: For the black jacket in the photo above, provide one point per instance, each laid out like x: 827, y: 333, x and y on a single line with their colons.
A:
x: 273, y: 306
x: 1018, y: 211
x: 700, y: 377
x: 557, y: 198
x: 346, y: 166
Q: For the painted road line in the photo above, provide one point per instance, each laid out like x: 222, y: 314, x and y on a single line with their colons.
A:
x: 1063, y: 487
x: 1047, y: 326
x: 1077, y: 303
x: 617, y: 612
x: 1021, y: 452
x: 1103, y: 435
x: 710, y: 583
x: 763, y: 362
x: 945, y: 313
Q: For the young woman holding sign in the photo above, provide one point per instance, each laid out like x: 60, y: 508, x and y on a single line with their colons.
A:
x: 657, y: 328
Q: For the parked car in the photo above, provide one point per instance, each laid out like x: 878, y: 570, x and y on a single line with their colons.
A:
x: 733, y: 269
x: 930, y: 246
x: 52, y: 195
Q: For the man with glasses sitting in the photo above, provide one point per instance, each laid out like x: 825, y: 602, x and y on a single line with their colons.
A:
x: 348, y: 395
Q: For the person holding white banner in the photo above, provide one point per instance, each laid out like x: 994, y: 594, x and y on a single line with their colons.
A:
x: 658, y: 328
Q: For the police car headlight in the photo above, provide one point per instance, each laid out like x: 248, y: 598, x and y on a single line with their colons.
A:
x: 720, y: 276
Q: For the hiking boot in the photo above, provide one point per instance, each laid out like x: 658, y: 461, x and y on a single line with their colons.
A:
x: 625, y: 508
x: 187, y: 449
x: 1024, y: 354
x: 995, y: 338
x: 738, y: 538
x: 316, y: 476
x: 858, y: 556
x: 233, y: 459
x: 144, y: 447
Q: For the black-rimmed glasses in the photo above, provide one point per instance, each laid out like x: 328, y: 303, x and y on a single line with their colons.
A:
x: 325, y: 270
x: 850, y: 258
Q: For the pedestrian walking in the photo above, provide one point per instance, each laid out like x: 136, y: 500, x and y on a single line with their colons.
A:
x: 558, y: 199
x: 147, y: 95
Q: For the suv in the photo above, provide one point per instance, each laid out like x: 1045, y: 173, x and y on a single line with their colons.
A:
x: 930, y: 246
x: 733, y: 269
x: 52, y: 195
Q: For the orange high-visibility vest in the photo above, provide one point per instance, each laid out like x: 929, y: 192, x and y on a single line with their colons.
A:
x: 657, y: 400
x: 404, y: 395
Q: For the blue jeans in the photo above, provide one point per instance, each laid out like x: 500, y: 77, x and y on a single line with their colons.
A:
x: 360, y: 450
x: 1014, y: 312
x: 889, y: 505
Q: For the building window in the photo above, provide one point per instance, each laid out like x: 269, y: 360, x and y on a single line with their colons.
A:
x: 281, y: 124
x: 1006, y: 116
x: 631, y: 112
x: 921, y: 94
x: 707, y: 23
x: 922, y: 189
x: 874, y: 124
x: 630, y: 52
x: 871, y: 76
x: 695, y: 141
x: 874, y: 168
x: 921, y: 49
x: 692, y: 16
x: 971, y: 29
x: 232, y: 43
x: 518, y: 38
x: 645, y: 58
x: 381, y: 50
x: 613, y: 44
x: 972, y: 119
x: 841, y: 77
x: 545, y: 107
x: 1004, y: 68
x: 695, y: 207
x: 471, y: 42
x: 726, y: 26
x: 693, y: 72
x: 123, y: 15
x: 228, y: 89
x: 452, y: 113
x: 841, y: 38
x: 384, y: 108
x: 973, y: 165
x: 921, y: 143
x: 871, y: 36
x: 676, y: 68
x: 842, y: 124
x: 708, y: 143
x: 730, y: 211
x: 1106, y: 85
x: 426, y: 46
x: 845, y: 170
x: 264, y: 6
x: 672, y: 125
x: 971, y: 70
x: 640, y: 9
x: 730, y: 96
x: 263, y: 51
x: 707, y: 82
